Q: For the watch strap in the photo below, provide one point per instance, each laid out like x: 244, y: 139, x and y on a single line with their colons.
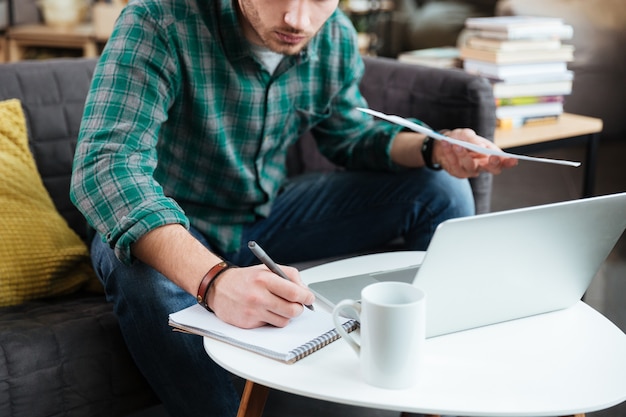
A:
x: 427, y: 154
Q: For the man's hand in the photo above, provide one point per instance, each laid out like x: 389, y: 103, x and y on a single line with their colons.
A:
x: 463, y: 163
x: 253, y: 296
x: 245, y: 297
x: 458, y: 161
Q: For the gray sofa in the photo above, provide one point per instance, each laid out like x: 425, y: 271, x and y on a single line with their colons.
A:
x: 65, y: 356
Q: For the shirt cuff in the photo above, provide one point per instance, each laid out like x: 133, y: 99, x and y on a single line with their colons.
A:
x: 141, y: 220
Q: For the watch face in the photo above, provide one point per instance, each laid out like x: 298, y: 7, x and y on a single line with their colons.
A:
x: 427, y: 154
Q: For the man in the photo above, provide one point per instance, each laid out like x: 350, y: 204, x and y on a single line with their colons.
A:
x: 181, y: 161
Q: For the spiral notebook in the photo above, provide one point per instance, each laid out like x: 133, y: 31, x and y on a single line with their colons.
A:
x: 305, y: 334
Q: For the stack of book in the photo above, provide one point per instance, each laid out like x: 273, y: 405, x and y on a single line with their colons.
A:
x: 526, y: 61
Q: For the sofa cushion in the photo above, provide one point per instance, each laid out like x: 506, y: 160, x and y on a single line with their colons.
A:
x: 65, y: 357
x: 52, y: 93
x: 40, y: 256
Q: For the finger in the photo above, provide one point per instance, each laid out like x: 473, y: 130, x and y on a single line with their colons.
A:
x: 455, y: 163
x: 510, y: 162
x: 289, y: 297
x: 292, y: 273
x: 489, y: 163
x: 496, y: 164
x: 464, y: 134
x: 286, y: 288
x: 278, y: 320
x: 261, y: 319
x: 281, y: 297
x: 463, y: 163
x: 468, y: 162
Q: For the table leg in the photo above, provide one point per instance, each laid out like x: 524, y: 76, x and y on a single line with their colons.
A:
x: 15, y: 51
x: 590, y: 166
x: 3, y: 50
x: 90, y: 49
x: 253, y: 400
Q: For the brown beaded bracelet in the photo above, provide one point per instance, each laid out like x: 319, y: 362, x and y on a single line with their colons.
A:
x: 208, y: 280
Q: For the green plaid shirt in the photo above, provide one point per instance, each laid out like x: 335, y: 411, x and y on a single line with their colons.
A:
x: 183, y: 124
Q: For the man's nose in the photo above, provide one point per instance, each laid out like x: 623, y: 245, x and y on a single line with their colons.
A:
x: 299, y: 15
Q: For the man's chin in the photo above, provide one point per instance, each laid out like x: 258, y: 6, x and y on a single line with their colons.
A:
x: 287, y: 49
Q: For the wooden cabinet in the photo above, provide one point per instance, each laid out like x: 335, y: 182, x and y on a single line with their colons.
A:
x: 86, y: 38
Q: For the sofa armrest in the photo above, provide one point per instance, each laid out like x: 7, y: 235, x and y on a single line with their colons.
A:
x: 442, y: 98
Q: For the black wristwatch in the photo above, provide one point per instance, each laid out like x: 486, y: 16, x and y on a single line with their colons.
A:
x: 427, y: 154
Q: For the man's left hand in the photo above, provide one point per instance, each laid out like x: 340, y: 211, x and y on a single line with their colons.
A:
x: 464, y: 163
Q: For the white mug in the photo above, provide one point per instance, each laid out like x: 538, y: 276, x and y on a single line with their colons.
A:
x: 393, y: 329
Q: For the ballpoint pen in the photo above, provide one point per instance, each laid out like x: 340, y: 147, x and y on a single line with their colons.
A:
x: 271, y: 265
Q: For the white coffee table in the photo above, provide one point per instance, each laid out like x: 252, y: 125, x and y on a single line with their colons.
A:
x: 567, y: 362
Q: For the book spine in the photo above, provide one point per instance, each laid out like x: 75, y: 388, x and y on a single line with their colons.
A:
x: 501, y: 90
x: 529, y: 110
x: 517, y: 122
x: 513, y: 45
x: 520, y: 101
x: 513, y: 70
x: 563, y: 32
x: 565, y: 54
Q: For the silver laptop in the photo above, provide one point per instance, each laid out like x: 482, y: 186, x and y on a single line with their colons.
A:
x: 505, y: 265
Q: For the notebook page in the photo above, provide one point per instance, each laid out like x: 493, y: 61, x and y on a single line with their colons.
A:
x: 279, y: 343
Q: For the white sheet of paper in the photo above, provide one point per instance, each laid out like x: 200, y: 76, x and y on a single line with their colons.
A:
x: 475, y: 148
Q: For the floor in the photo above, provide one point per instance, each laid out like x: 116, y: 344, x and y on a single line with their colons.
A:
x: 527, y: 185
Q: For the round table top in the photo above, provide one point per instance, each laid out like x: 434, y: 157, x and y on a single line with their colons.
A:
x: 560, y: 363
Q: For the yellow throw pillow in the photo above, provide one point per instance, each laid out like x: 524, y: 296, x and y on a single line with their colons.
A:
x: 40, y: 255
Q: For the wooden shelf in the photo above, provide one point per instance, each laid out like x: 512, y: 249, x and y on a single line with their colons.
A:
x: 79, y: 37
x: 568, y: 126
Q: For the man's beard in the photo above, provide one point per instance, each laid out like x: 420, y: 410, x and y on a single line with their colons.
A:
x: 293, y: 43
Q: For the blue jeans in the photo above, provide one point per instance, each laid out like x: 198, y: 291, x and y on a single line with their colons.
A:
x: 315, y: 216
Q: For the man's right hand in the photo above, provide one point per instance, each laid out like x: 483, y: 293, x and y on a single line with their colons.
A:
x: 245, y: 297
x: 254, y: 296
